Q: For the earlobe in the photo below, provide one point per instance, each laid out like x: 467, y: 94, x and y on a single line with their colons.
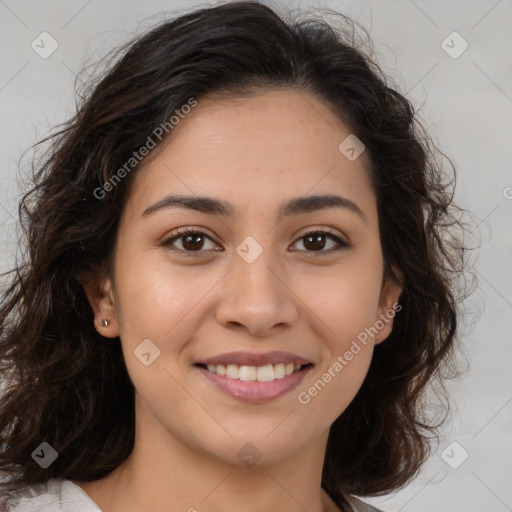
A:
x: 101, y: 299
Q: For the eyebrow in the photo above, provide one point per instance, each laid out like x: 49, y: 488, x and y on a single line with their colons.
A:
x: 212, y: 206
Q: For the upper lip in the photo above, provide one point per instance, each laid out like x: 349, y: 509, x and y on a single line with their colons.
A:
x: 252, y: 359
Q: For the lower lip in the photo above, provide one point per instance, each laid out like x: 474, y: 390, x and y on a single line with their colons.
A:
x: 255, y: 391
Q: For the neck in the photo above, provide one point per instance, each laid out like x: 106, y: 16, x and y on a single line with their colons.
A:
x: 164, y: 473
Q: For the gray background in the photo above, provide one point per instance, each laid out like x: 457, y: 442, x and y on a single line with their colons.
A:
x: 466, y: 103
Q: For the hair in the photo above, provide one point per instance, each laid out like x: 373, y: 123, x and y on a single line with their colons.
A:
x: 67, y: 386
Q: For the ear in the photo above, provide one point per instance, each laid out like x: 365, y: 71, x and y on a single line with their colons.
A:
x: 388, y: 307
x: 100, y: 295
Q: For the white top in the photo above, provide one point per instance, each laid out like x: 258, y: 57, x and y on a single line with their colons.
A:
x: 56, y: 495
x: 61, y: 495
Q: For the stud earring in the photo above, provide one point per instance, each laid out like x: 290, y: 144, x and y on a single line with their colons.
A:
x: 105, y: 323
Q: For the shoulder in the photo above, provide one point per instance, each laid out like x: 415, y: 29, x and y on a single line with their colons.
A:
x: 358, y: 505
x: 361, y: 506
x: 366, y: 507
x: 55, y: 495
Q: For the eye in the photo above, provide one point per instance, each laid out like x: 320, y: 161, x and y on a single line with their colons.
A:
x: 315, y: 240
x: 193, y: 240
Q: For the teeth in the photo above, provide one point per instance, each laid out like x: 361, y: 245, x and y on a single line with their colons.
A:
x: 232, y: 371
x: 265, y: 373
x: 247, y: 373
x: 279, y: 371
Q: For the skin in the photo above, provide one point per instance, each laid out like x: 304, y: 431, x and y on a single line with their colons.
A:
x: 256, y: 153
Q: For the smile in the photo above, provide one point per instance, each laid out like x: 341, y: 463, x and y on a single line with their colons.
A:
x: 255, y: 384
x: 265, y: 373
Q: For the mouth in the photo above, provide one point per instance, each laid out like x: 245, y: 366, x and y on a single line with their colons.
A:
x: 266, y: 373
x: 255, y: 378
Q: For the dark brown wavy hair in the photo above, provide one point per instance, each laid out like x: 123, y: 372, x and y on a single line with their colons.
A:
x: 65, y: 385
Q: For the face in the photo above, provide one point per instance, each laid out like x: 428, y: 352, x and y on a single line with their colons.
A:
x: 252, y: 291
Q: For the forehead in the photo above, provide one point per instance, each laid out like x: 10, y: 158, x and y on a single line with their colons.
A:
x: 265, y: 147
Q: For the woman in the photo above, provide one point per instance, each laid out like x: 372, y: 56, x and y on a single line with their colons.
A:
x: 238, y: 283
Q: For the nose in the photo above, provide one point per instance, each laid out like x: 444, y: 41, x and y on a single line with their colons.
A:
x: 257, y: 298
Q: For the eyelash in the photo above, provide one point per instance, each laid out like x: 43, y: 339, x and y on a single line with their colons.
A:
x: 184, y: 232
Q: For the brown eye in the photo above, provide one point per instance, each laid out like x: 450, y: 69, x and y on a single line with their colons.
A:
x: 315, y: 241
x: 192, y: 240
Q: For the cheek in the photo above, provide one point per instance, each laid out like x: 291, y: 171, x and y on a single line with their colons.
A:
x: 334, y: 386
x: 158, y: 303
x: 346, y: 301
x: 344, y: 305
x: 154, y: 298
